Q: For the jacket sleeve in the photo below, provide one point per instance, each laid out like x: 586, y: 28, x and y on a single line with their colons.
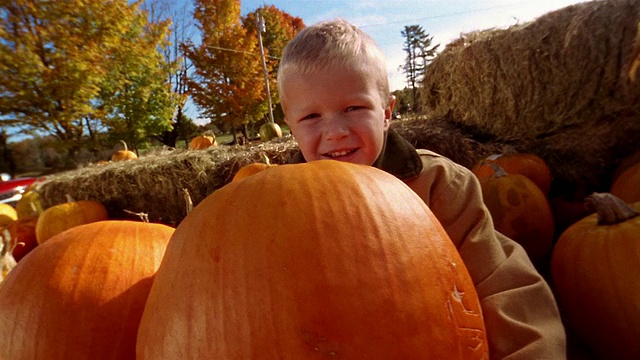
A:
x: 520, y: 313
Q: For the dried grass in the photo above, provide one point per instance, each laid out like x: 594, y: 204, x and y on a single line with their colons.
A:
x: 567, y: 68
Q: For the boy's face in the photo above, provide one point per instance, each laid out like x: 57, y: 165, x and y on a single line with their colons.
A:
x: 336, y: 113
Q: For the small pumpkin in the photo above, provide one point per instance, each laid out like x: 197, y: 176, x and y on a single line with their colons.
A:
x: 625, y: 163
x: 203, y: 142
x: 253, y: 168
x: 61, y: 217
x: 520, y: 211
x: 8, y: 214
x: 627, y: 184
x: 81, y: 294
x: 29, y: 204
x: 530, y: 165
x: 354, y: 265
x: 595, y: 270
x: 23, y: 236
x: 269, y: 131
x: 124, y: 154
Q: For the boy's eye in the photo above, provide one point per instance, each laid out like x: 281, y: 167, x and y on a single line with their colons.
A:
x: 310, y: 116
x: 352, y: 108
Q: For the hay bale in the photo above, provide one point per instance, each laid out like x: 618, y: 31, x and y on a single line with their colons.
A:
x: 565, y: 69
x: 154, y: 184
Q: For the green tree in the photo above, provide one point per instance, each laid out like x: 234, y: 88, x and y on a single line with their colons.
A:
x: 419, y: 51
x: 58, y: 60
x: 182, y: 28
x: 138, y: 99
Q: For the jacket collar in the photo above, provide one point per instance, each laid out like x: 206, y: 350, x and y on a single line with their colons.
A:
x: 398, y: 157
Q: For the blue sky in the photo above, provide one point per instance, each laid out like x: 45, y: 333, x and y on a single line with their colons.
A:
x: 445, y: 20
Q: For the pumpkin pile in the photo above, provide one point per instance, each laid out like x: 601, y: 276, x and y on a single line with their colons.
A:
x: 81, y: 293
x: 354, y: 265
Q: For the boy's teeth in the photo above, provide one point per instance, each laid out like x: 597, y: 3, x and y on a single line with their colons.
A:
x: 339, y: 153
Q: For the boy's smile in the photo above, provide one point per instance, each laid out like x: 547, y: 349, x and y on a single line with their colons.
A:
x: 336, y: 113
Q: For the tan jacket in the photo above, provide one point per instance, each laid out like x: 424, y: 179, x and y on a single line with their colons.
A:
x: 520, y: 313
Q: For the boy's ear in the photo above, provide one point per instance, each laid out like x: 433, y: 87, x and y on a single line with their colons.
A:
x: 388, y: 112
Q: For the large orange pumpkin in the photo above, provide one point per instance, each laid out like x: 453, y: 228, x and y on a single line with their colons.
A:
x: 627, y: 184
x: 530, y: 165
x: 81, y: 294
x: 61, y: 217
x: 520, y: 211
x: 338, y: 261
x: 596, y: 269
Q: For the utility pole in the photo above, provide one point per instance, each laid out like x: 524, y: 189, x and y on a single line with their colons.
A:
x: 260, y: 26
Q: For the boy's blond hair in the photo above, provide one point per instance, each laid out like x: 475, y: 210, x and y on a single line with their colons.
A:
x: 334, y: 43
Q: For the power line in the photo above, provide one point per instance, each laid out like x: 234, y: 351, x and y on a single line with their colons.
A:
x: 444, y: 15
x: 240, y: 51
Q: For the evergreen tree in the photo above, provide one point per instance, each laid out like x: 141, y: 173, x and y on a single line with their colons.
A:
x: 417, y: 44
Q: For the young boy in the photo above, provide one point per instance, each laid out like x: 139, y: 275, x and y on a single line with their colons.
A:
x: 335, y: 95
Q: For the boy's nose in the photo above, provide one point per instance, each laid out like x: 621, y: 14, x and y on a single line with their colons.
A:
x: 335, y: 128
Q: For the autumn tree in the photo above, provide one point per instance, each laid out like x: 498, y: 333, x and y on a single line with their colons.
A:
x: 225, y: 82
x: 419, y: 51
x: 62, y: 62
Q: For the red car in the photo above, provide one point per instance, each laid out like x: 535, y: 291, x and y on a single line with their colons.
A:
x: 11, y: 190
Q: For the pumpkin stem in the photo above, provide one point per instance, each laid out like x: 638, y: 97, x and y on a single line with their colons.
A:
x: 498, y: 171
x: 187, y: 200
x: 124, y: 145
x: 610, y: 208
x: 265, y: 158
x: 144, y: 217
x: 69, y: 198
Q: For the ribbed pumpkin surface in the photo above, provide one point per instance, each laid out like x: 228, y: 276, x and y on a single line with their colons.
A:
x: 80, y: 295
x: 316, y: 260
x: 522, y: 212
x: 596, y: 269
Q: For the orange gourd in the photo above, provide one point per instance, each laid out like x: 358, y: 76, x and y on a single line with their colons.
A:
x: 530, y: 165
x: 520, y: 211
x: 23, y: 236
x: 625, y: 163
x: 595, y: 269
x: 81, y: 294
x: 202, y: 142
x: 253, y: 168
x: 124, y: 154
x: 61, y: 217
x: 339, y: 260
x: 627, y: 184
